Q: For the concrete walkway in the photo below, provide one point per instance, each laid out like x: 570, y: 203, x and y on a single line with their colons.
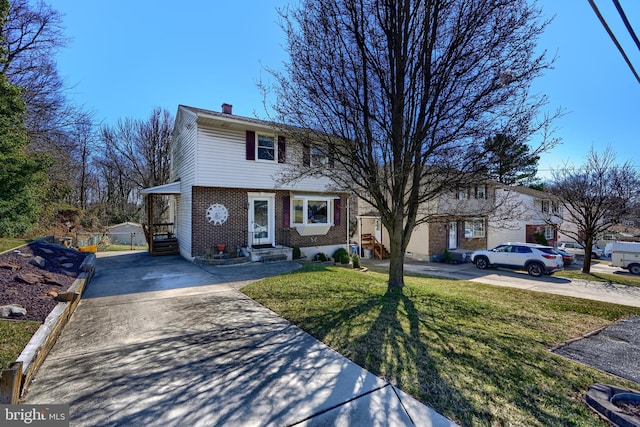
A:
x: 163, y: 342
x: 599, y: 291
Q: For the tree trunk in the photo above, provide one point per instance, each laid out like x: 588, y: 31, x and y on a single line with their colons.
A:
x: 586, y: 265
x: 396, y: 257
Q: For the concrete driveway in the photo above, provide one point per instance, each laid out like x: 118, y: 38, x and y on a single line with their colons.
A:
x: 163, y: 342
x: 598, y: 291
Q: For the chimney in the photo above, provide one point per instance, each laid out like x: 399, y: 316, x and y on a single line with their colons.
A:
x: 227, y: 108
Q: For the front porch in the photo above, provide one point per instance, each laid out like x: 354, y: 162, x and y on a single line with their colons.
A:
x: 160, y: 235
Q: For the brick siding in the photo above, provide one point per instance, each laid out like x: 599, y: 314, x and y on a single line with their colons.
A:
x: 234, y: 232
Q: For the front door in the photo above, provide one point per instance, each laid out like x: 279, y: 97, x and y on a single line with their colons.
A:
x: 453, y: 235
x: 261, y: 220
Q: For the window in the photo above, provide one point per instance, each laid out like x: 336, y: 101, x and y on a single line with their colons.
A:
x: 549, y: 232
x: 544, y: 206
x: 318, y: 156
x: 481, y: 192
x: 474, y: 229
x: 549, y: 207
x: 311, y: 211
x: 266, y: 147
x: 463, y: 193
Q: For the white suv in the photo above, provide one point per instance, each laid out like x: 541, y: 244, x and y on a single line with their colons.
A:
x: 536, y: 259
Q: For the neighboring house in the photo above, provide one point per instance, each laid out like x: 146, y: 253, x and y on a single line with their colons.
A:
x: 474, y: 217
x: 522, y: 212
x: 226, y: 190
x: 457, y: 222
x: 127, y: 233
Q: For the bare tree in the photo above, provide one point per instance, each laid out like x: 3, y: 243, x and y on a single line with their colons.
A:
x: 595, y: 196
x: 136, y: 155
x: 402, y: 94
x: 32, y: 36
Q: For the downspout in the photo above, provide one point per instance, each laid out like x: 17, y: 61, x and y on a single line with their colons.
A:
x: 348, y: 229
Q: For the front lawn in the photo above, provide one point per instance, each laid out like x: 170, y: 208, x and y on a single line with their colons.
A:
x: 476, y: 353
x: 7, y: 243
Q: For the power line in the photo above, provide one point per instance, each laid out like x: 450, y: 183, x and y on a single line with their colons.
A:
x: 626, y: 23
x: 614, y: 39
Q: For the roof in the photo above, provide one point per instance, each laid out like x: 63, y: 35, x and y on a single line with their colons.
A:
x: 123, y: 224
x: 530, y: 192
x: 171, y: 188
x: 209, y: 114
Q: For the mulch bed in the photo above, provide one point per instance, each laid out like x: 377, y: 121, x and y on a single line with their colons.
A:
x: 36, y: 287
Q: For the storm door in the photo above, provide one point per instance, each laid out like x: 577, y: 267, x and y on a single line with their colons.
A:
x: 261, y: 221
x: 453, y: 235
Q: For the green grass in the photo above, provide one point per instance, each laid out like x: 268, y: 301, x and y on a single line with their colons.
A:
x: 627, y: 279
x: 6, y: 243
x: 476, y: 353
x: 14, y: 336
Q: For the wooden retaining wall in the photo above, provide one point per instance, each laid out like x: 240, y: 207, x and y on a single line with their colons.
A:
x: 14, y: 380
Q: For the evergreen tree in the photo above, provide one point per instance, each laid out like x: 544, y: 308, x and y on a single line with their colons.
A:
x: 509, y: 161
x: 20, y: 173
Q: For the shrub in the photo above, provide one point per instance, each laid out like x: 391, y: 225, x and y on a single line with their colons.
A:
x: 356, y: 261
x: 345, y: 259
x: 321, y: 257
x: 339, y: 255
x: 297, y: 253
x: 540, y: 239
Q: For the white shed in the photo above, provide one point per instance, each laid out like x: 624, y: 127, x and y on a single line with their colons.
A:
x: 127, y: 233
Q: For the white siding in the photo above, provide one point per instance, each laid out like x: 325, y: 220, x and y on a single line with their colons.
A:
x: 183, y: 156
x: 496, y: 236
x: 419, y: 243
x: 221, y: 162
x: 183, y: 150
x: 183, y: 229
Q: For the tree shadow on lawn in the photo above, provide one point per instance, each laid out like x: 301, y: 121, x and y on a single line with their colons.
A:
x: 464, y: 370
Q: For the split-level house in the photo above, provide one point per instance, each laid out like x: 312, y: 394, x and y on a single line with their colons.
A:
x: 228, y: 192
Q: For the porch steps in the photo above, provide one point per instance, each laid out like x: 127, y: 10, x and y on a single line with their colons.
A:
x: 165, y: 247
x: 274, y: 257
x: 279, y: 253
x: 377, y: 249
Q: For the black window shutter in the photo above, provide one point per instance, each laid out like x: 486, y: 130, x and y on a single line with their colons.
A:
x: 306, y: 155
x: 251, y: 145
x: 286, y: 212
x: 282, y: 150
x: 336, y: 211
x: 332, y: 159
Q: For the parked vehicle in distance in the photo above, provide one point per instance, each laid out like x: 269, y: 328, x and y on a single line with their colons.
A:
x: 608, y: 249
x: 567, y: 258
x: 578, y: 249
x: 536, y: 259
x: 626, y: 255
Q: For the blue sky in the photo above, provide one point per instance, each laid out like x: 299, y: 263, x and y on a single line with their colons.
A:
x: 127, y: 57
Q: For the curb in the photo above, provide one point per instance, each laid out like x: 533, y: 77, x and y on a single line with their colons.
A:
x: 16, y: 379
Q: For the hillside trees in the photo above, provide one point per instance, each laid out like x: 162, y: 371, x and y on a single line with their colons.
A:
x: 135, y: 154
x: 401, y: 95
x: 96, y: 170
x: 20, y: 173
